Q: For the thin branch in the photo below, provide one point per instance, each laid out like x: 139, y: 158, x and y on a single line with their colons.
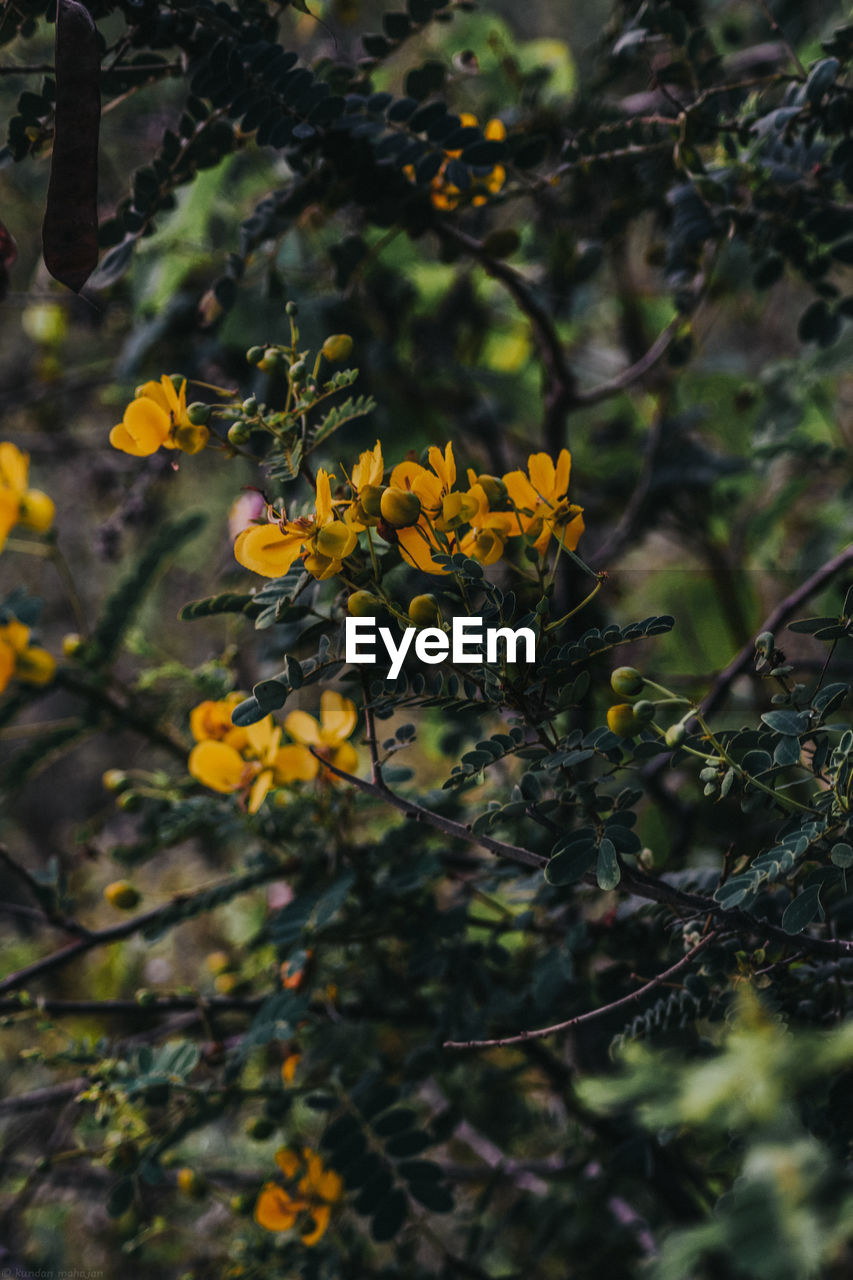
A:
x: 593, y: 1014
x: 742, y: 662
x: 634, y: 372
x: 131, y: 1008
x: 118, y: 932
x: 512, y: 852
x: 55, y: 918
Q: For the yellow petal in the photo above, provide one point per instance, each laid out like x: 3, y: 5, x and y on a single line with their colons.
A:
x: 146, y: 424
x: 336, y: 540
x: 264, y: 549
x: 259, y: 790
x: 154, y: 391
x: 542, y: 476
x: 35, y: 666
x: 338, y: 716
x: 444, y: 465
x: 417, y: 544
x: 345, y: 757
x: 520, y: 490
x: 324, y: 497
x: 303, y: 728
x: 294, y: 763
x: 10, y: 507
x: 7, y: 664
x: 263, y: 737
x: 37, y: 510
x: 495, y: 130
x: 217, y: 765
x: 564, y: 470
x: 14, y: 467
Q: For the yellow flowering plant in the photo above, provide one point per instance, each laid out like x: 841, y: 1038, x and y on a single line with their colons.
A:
x: 309, y: 1198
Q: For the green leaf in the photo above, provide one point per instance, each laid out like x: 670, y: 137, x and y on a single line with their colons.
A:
x: 572, y: 864
x: 789, y: 723
x: 390, y: 1216
x: 842, y: 855
x: 802, y: 910
x: 607, y: 871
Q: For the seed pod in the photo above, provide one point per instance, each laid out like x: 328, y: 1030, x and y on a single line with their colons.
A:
x: 70, y: 228
x: 399, y: 507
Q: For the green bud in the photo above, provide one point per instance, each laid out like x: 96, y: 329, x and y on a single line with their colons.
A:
x: 297, y: 371
x: 129, y: 801
x: 291, y: 309
x: 239, y: 433
x: 198, y: 413
x: 250, y: 406
x: 370, y: 497
x: 627, y: 682
x: 337, y: 348
x: 765, y: 642
x: 254, y: 355
x: 399, y: 507
x: 271, y: 361
x: 363, y: 604
x: 644, y: 711
x: 177, y: 380
x: 424, y: 611
x: 494, y: 489
x: 675, y: 735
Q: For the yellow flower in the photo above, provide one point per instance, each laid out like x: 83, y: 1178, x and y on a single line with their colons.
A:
x: 444, y: 195
x: 21, y: 660
x: 211, y: 721
x: 322, y: 540
x: 252, y: 760
x: 329, y: 736
x: 489, y: 529
x: 18, y: 503
x: 158, y: 416
x: 417, y: 542
x: 541, y: 505
x: 318, y: 1188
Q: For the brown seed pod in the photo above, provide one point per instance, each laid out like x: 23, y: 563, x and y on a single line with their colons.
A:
x: 70, y: 228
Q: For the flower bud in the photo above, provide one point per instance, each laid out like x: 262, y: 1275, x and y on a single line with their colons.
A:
x: 115, y: 780
x: 337, y: 348
x: 259, y: 1128
x: 254, y: 355
x: 627, y: 682
x: 250, y: 406
x: 644, y: 711
x: 72, y: 643
x: 122, y: 895
x: 217, y: 962
x: 271, y: 361
x: 370, y: 497
x: 297, y: 371
x: 239, y: 433
x: 242, y: 1203
x: 129, y: 801
x: 363, y: 604
x: 400, y: 508
x: 190, y: 439
x: 291, y: 309
x: 178, y: 381
x: 424, y: 611
x: 494, y: 489
x: 191, y: 1183
x: 199, y: 413
x: 675, y: 735
x: 36, y: 510
x: 622, y: 721
x: 765, y: 642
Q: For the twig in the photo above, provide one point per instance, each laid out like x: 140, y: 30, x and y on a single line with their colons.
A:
x: 512, y: 852
x: 634, y: 372
x: 118, y: 932
x: 593, y: 1014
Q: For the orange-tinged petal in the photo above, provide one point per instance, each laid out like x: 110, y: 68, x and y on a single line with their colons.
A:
x: 324, y: 497
x: 417, y: 544
x: 275, y: 1209
x: 369, y: 468
x: 321, y: 1214
x: 288, y: 1161
x: 264, y: 549
x: 570, y: 534
x: 7, y: 664
x: 295, y: 763
x: 10, y: 507
x: 468, y: 120
x: 411, y: 475
x: 338, y: 716
x: 303, y: 728
x: 217, y: 765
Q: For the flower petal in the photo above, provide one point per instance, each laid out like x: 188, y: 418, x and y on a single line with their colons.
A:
x: 264, y: 549
x: 275, y: 1209
x: 303, y: 728
x: 338, y: 716
x: 295, y: 763
x: 217, y: 765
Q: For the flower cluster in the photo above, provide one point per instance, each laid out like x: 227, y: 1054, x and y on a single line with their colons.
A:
x: 252, y: 760
x: 18, y: 503
x: 158, y: 416
x: 444, y: 193
x: 312, y: 1192
x: 422, y: 512
x: 21, y: 660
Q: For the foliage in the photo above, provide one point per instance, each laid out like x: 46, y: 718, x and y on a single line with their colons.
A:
x: 462, y: 965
